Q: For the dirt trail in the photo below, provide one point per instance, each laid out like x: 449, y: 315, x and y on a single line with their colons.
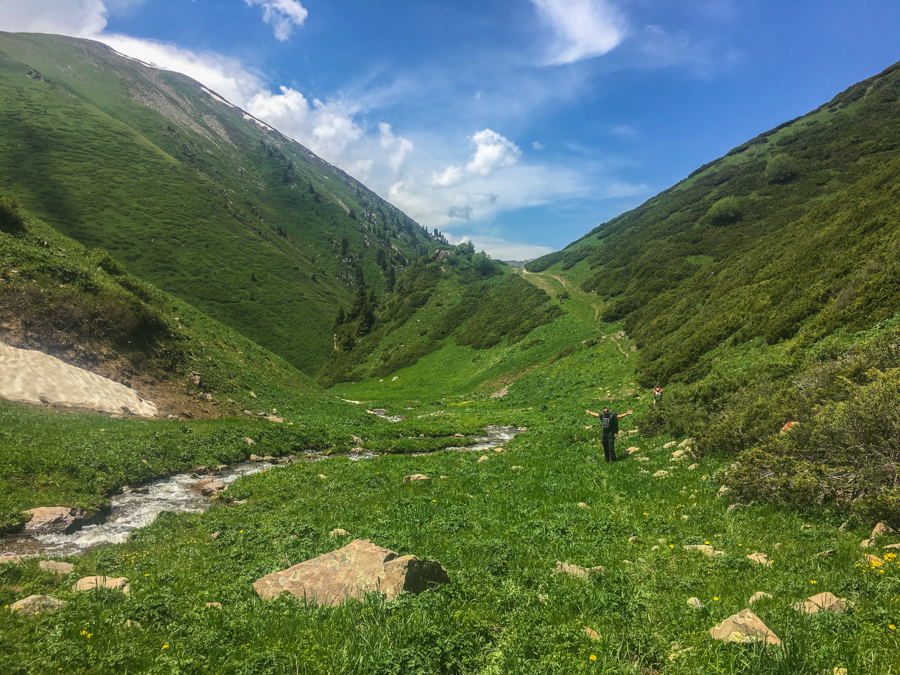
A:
x: 540, y: 280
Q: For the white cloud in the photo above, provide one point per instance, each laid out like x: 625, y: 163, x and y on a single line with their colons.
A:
x: 492, y: 152
x: 537, y: 145
x: 397, y: 146
x: 583, y: 28
x: 282, y: 15
x: 80, y: 18
x: 503, y: 249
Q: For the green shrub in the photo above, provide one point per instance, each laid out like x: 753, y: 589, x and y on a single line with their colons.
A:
x: 725, y: 211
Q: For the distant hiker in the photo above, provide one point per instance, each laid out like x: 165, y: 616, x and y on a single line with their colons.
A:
x: 657, y: 394
x: 610, y: 429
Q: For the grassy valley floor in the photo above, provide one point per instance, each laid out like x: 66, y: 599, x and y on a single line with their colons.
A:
x: 498, y: 525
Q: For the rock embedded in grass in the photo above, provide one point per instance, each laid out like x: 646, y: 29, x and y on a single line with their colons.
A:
x: 705, y: 549
x: 415, y: 478
x: 661, y: 474
x: 358, y: 568
x: 695, y: 603
x: 89, y: 583
x: 58, y: 568
x: 10, y: 560
x: 760, y: 558
x: 822, y: 602
x: 881, y: 529
x: 744, y: 628
x: 338, y: 532
x: 576, y: 571
x: 56, y: 519
x: 37, y: 604
x: 759, y: 595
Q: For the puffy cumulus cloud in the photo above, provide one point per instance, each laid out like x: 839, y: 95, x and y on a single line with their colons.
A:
x: 492, y: 151
x: 398, y: 147
x: 282, y: 15
x: 503, y: 249
x: 582, y: 29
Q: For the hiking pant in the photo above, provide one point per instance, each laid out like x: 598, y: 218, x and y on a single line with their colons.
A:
x: 608, y: 447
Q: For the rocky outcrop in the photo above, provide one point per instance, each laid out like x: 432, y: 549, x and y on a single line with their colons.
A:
x: 58, y: 519
x: 358, y: 568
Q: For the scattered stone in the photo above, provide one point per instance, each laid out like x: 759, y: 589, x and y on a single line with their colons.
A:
x: 247, y: 412
x: 10, y: 560
x: 679, y: 651
x: 892, y: 546
x: 830, y: 553
x: 483, y: 458
x: 458, y: 436
x: 500, y: 393
x: 759, y: 595
x: 705, y: 549
x: 255, y: 458
x: 37, y: 604
x: 722, y: 491
x: 881, y: 529
x: 56, y: 519
x: 499, y: 449
x: 695, y: 603
x: 322, y: 477
x: 806, y: 526
x: 627, y: 562
x: 252, y: 395
x: 685, y: 517
x: 133, y: 624
x: 357, y: 440
x: 686, y: 442
x: 591, y: 633
x: 631, y: 451
x: 284, y: 460
x: 735, y: 507
x: 655, y: 548
x: 542, y: 597
x: 516, y: 468
x: 661, y: 474
x: 642, y: 459
x: 338, y: 532
x: 867, y: 543
x: 874, y: 559
x: 745, y: 628
x: 670, y: 444
x: 395, y: 378
x: 415, y: 478
x: 274, y: 418
x: 215, y: 535
x: 760, y: 558
x: 576, y: 570
x: 215, y: 605
x: 59, y: 568
x: 582, y: 505
x: 118, y: 583
x: 269, y: 458
x: 221, y: 467
x: 693, y: 467
x: 634, y: 538
x: 212, y: 488
x: 358, y: 568
x: 678, y: 454
x: 823, y: 602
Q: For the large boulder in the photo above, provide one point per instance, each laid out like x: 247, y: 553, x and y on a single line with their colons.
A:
x: 358, y: 568
x: 58, y: 568
x: 37, y: 604
x: 744, y: 627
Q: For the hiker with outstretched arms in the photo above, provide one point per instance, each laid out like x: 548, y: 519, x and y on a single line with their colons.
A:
x: 610, y: 429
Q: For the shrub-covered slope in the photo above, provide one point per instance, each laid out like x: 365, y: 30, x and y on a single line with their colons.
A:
x: 451, y: 295
x: 191, y: 193
x: 766, y: 286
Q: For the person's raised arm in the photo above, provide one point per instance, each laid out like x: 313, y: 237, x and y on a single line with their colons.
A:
x: 592, y: 413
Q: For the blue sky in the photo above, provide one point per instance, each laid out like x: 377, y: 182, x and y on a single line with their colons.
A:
x: 516, y: 124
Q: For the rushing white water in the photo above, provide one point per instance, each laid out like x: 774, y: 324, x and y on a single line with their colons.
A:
x: 138, y: 508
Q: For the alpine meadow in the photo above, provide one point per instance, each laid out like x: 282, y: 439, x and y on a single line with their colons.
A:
x: 305, y: 434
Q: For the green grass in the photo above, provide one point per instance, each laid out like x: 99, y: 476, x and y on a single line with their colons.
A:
x: 499, y: 532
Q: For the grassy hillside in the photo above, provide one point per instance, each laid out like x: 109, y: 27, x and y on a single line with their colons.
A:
x: 191, y: 193
x: 766, y: 288
x: 81, y: 306
x: 453, y: 297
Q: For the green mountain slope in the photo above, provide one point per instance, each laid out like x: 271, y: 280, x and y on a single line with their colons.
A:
x: 191, y: 193
x: 766, y: 288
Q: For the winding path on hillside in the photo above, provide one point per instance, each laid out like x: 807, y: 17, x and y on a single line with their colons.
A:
x: 545, y: 281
